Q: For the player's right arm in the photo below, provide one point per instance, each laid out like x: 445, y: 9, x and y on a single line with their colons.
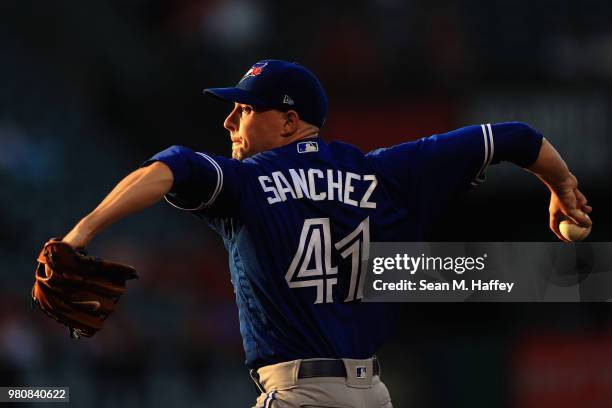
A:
x: 139, y: 190
x: 429, y: 171
x: 566, y: 200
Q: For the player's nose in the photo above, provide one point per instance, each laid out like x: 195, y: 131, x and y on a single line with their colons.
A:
x: 231, y: 122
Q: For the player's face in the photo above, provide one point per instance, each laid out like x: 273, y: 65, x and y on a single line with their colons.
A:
x: 253, y: 131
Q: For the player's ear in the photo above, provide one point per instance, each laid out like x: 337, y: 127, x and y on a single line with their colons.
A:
x: 291, y: 122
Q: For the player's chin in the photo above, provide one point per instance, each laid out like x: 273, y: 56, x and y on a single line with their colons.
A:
x: 238, y: 153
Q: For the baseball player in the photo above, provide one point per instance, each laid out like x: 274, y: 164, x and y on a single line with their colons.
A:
x: 297, y: 214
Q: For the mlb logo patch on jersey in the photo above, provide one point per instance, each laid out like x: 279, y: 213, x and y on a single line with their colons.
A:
x: 360, y: 372
x: 307, y: 147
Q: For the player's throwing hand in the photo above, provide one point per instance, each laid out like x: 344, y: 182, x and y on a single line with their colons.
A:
x: 568, y: 203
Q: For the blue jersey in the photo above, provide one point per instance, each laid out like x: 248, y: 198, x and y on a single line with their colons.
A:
x: 297, y: 222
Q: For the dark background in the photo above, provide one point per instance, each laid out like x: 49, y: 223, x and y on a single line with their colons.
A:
x: 89, y: 90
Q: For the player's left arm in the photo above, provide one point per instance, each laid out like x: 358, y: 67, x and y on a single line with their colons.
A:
x: 138, y: 190
x: 188, y: 180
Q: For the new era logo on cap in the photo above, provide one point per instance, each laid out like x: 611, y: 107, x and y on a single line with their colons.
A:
x: 287, y: 100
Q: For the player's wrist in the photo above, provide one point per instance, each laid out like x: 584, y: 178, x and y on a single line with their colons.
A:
x: 563, y: 183
x: 552, y: 170
x: 80, y: 235
x: 558, y: 179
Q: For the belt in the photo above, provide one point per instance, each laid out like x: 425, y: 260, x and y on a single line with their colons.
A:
x: 317, y: 368
x: 329, y: 368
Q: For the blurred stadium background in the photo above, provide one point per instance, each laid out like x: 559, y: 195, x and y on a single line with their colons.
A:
x: 89, y: 90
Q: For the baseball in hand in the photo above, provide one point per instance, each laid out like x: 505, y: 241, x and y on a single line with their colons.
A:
x: 572, y: 231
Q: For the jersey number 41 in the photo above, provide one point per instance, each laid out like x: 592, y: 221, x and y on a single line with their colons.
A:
x: 315, y: 251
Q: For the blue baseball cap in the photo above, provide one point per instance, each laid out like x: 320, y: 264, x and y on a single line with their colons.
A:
x: 281, y: 85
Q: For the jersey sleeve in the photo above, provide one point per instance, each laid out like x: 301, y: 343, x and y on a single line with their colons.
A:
x: 208, y: 185
x: 436, y: 167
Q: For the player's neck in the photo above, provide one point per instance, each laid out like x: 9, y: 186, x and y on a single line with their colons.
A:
x: 308, y: 132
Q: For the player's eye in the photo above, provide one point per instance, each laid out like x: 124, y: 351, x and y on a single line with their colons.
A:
x: 245, y: 110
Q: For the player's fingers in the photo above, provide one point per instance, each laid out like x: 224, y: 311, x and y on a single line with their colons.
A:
x: 582, y: 202
x: 579, y: 217
x: 554, y: 227
x: 581, y: 199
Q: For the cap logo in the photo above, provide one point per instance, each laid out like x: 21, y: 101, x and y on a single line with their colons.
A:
x: 255, y: 70
x: 307, y: 147
x: 288, y: 101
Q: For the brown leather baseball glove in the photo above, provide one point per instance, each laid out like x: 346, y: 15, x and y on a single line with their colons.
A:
x: 78, y: 291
